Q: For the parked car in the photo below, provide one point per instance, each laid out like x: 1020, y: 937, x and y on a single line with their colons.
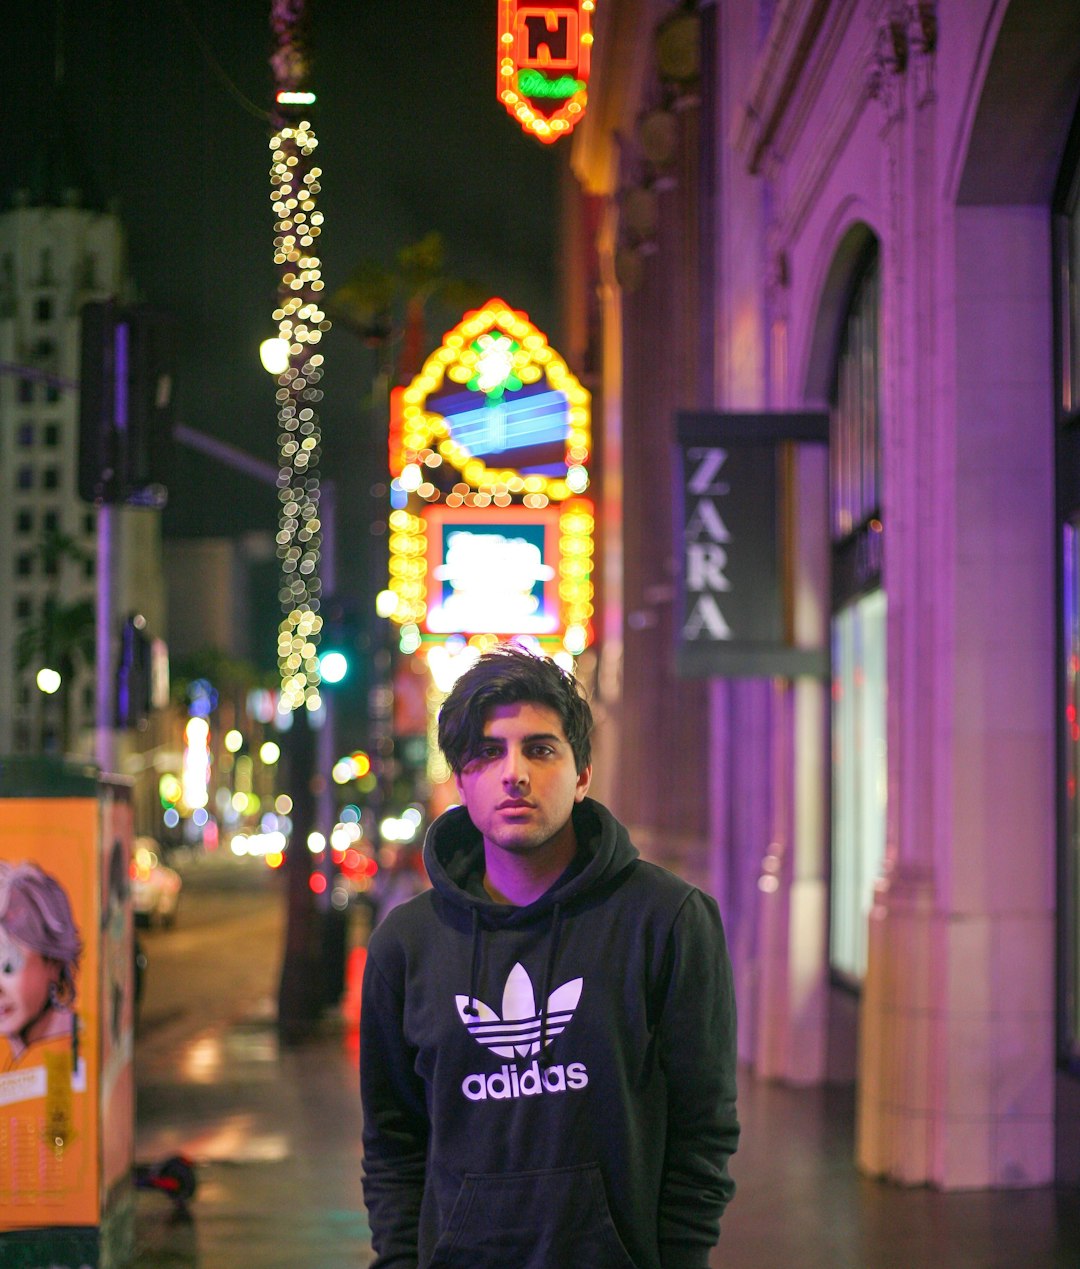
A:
x: 155, y: 887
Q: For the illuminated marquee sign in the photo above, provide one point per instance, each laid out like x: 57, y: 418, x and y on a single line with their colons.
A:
x: 545, y: 51
x: 490, y: 534
x: 492, y: 571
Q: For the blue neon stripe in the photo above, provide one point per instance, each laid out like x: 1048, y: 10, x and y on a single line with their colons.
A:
x: 517, y: 423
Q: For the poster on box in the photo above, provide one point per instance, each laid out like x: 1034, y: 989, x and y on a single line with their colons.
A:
x: 49, y: 1014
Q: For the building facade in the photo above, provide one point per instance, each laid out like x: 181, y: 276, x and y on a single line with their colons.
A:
x: 865, y: 211
x: 55, y: 256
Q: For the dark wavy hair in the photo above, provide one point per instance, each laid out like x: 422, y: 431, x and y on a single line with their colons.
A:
x: 508, y: 675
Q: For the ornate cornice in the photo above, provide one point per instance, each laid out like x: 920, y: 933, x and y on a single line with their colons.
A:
x: 799, y: 55
x: 778, y: 73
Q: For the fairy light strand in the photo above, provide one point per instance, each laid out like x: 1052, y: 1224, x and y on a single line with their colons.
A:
x: 301, y: 322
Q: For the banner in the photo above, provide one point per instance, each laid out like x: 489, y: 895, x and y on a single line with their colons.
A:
x: 732, y: 564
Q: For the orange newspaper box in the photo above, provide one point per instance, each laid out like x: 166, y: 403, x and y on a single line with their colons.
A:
x: 67, y: 1090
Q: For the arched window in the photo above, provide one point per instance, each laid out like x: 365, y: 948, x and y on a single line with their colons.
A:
x: 858, y: 626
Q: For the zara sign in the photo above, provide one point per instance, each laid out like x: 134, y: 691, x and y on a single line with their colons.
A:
x: 731, y: 615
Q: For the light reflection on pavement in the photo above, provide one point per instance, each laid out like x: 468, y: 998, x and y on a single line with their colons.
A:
x: 274, y: 1132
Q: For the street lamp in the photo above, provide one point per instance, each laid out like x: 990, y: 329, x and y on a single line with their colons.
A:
x: 48, y: 680
x: 274, y: 355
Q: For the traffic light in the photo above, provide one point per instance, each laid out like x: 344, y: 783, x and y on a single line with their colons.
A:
x: 339, y: 642
x: 125, y: 404
x: 333, y: 666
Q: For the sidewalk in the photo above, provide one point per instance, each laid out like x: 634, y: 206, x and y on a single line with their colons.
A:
x: 276, y: 1138
x: 800, y: 1202
x: 275, y: 1135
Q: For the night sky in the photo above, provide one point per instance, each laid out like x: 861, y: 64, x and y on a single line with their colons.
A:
x: 412, y: 139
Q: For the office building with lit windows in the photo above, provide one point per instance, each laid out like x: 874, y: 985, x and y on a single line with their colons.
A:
x: 56, y: 254
x: 826, y: 256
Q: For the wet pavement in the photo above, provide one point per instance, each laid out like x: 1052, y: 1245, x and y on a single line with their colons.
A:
x: 275, y: 1135
x: 801, y: 1202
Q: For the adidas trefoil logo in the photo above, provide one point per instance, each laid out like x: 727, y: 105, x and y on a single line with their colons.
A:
x: 517, y: 1034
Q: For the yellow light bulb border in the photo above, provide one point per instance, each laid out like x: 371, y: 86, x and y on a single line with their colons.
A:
x: 576, y: 525
x: 426, y: 435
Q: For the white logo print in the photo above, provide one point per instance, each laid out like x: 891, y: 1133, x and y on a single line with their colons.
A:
x: 520, y: 1034
x: 517, y: 1032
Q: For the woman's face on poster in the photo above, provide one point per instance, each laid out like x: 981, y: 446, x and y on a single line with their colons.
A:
x: 25, y: 979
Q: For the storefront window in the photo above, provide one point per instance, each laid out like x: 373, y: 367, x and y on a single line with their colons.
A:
x: 858, y: 631
x: 1067, y: 270
x: 854, y: 452
x: 859, y: 775
x: 1071, y: 862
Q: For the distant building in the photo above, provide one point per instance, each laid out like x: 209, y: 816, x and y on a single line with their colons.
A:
x: 870, y: 213
x: 215, y: 588
x: 58, y: 250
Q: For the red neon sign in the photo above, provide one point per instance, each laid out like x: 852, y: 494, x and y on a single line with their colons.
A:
x: 545, y: 51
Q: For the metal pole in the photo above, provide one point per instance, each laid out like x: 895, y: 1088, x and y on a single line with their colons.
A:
x: 105, y: 608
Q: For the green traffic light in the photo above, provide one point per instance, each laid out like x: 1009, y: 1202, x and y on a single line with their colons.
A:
x: 333, y: 666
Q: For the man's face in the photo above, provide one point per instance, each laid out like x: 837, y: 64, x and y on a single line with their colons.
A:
x: 521, y: 785
x: 25, y: 977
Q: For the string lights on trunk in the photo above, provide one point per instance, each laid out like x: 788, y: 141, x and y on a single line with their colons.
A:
x: 301, y: 323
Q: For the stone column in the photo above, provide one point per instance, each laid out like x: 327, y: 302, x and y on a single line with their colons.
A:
x: 895, y: 1088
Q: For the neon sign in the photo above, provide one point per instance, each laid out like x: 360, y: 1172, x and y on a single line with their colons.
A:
x: 426, y: 433
x: 490, y: 534
x: 545, y: 52
x: 492, y: 573
x: 196, y: 771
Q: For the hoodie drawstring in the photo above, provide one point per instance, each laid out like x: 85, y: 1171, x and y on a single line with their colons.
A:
x: 474, y: 969
x: 545, y: 1056
x: 545, y: 985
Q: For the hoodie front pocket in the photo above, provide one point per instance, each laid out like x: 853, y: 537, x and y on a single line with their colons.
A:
x: 548, y: 1219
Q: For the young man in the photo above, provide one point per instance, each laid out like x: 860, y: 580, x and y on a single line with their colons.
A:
x: 548, y: 1034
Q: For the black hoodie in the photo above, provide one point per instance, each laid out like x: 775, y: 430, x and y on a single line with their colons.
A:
x: 550, y: 1086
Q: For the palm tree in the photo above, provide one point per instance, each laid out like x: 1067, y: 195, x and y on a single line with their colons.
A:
x: 63, y: 638
x: 384, y: 305
x: 231, y: 676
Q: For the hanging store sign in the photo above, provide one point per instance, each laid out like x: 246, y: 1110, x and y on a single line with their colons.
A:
x: 731, y: 614
x: 545, y: 51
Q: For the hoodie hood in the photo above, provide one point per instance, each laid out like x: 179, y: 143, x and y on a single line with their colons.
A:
x: 454, y: 858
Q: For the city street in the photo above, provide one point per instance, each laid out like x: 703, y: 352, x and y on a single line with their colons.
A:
x: 222, y: 953
x: 274, y: 1135
x: 400, y: 401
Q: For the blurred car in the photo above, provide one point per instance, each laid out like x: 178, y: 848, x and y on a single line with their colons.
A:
x: 155, y: 887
